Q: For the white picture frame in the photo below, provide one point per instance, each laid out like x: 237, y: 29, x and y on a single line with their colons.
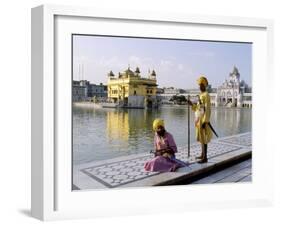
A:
x: 52, y: 197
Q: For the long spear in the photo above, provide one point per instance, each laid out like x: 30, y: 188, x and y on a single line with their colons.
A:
x: 188, y: 127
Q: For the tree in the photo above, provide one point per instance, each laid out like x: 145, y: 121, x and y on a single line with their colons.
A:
x: 178, y: 99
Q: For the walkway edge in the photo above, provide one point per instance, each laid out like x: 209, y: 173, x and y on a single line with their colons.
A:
x: 218, y: 164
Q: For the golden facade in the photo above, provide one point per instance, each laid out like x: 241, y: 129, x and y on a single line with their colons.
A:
x: 131, y: 90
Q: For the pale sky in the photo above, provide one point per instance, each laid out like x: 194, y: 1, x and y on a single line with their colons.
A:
x: 177, y: 63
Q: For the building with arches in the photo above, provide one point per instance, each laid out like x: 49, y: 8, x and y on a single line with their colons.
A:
x: 130, y: 89
x: 234, y: 92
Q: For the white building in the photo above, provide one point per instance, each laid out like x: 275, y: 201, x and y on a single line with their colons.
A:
x: 234, y: 92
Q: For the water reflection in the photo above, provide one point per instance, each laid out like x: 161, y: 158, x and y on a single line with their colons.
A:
x: 107, y: 133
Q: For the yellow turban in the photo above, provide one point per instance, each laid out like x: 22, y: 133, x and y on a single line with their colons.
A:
x: 202, y: 80
x: 157, y: 122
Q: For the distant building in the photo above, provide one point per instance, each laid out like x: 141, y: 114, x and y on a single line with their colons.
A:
x: 79, y: 91
x: 234, y: 92
x: 159, y: 91
x: 168, y: 92
x: 83, y: 90
x: 129, y: 89
x: 97, y: 90
x: 171, y: 91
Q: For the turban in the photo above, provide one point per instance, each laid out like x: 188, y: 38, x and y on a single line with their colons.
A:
x: 158, y: 122
x: 202, y: 80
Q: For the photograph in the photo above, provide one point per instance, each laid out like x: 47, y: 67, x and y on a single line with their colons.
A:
x: 150, y: 111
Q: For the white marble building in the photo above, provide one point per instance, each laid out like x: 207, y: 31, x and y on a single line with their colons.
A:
x: 234, y: 92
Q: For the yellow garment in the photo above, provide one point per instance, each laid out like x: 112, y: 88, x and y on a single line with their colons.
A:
x: 158, y: 122
x: 202, y: 80
x: 204, y: 107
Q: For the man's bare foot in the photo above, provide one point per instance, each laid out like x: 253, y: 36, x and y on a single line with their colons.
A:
x: 203, y: 160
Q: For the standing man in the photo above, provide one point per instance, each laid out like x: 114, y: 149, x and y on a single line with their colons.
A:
x: 202, y: 118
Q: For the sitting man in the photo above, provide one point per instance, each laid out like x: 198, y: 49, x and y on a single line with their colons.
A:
x: 165, y: 149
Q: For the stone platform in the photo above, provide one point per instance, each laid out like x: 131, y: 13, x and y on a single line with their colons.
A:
x: 240, y: 172
x: 128, y: 171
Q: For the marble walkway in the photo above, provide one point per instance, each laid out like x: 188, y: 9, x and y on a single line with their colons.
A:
x: 128, y: 171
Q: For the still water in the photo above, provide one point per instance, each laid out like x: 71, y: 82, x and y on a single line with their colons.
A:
x: 100, y: 134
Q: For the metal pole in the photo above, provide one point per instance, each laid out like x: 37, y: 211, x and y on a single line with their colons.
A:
x: 188, y: 127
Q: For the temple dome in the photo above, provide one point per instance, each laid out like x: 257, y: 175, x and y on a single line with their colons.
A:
x: 137, y: 70
x: 110, y: 74
x: 129, y: 72
x: 153, y: 73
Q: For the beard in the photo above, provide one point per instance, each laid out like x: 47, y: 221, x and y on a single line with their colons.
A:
x: 161, y: 133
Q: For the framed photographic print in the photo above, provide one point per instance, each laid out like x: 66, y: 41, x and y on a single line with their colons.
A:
x: 136, y: 111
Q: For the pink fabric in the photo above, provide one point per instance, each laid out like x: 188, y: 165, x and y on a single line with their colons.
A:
x: 161, y: 164
x: 165, y: 142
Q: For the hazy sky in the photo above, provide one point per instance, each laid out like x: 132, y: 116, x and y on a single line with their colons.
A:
x: 177, y: 63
